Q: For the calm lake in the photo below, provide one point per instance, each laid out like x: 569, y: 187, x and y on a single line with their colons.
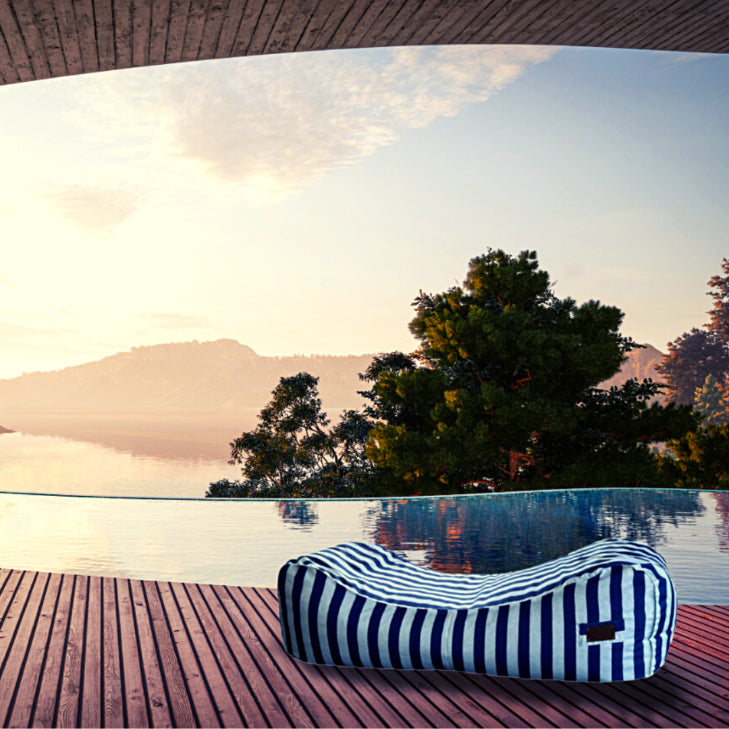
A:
x: 123, y: 456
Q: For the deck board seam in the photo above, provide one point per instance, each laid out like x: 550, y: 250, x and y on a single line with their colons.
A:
x: 23, y: 662
x: 218, y: 659
x: 249, y: 656
x: 46, y: 651
x: 179, y: 658
x: 143, y: 672
x: 303, y: 675
x: 198, y: 658
x: 16, y: 628
x: 265, y: 649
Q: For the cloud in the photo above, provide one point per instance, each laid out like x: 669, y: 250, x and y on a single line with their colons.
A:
x: 95, y: 209
x: 288, y: 121
x: 271, y: 125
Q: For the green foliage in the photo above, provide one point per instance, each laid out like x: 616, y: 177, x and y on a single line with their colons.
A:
x: 712, y: 401
x: 700, y: 459
x: 292, y: 453
x: 503, y: 387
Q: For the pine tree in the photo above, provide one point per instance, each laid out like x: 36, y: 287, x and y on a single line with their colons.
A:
x: 503, y: 386
x: 712, y: 401
x: 719, y: 314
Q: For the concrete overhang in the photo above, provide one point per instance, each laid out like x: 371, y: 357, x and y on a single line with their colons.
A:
x: 51, y: 38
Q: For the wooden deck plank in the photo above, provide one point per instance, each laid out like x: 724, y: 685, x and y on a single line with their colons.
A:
x: 69, y: 697
x: 321, y: 701
x: 79, y: 651
x: 249, y: 668
x: 51, y: 672
x: 373, y: 699
x: 91, y: 709
x: 233, y: 673
x: 20, y: 620
x: 22, y: 710
x: 167, y: 662
x: 225, y: 707
x: 136, y: 708
x: 205, y: 713
x: 114, y: 688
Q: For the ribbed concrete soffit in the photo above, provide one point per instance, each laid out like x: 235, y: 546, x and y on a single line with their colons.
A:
x: 48, y: 38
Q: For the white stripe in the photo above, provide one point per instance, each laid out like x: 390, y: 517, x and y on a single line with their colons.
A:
x: 512, y: 640
x: 326, y: 599
x: 490, y: 640
x: 382, y: 635
x: 535, y: 639
x: 403, y: 643
x: 342, y: 619
x: 581, y: 640
x: 306, y: 589
x: 604, y: 616
x: 426, y: 656
x: 626, y: 591
x: 558, y: 633
x: 363, y: 625
x: 469, y: 637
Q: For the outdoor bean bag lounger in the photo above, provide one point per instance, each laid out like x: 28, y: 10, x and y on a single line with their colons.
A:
x: 605, y: 612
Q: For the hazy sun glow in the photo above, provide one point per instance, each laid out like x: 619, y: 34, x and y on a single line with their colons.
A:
x: 298, y: 203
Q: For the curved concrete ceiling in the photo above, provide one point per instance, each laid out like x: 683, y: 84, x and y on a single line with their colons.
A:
x: 49, y: 38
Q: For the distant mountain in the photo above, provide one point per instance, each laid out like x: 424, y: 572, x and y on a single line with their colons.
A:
x: 220, y: 376
x: 204, y: 377
x: 641, y: 363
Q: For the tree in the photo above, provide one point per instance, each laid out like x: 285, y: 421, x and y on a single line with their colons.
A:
x: 503, y: 387
x: 701, y: 352
x: 719, y: 314
x: 712, y: 401
x: 700, y: 459
x: 689, y: 360
x: 291, y: 453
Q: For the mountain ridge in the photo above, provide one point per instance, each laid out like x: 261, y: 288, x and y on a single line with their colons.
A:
x: 216, y: 376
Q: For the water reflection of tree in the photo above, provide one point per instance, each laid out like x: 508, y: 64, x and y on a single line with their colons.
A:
x: 722, y: 510
x: 298, y: 514
x: 498, y: 533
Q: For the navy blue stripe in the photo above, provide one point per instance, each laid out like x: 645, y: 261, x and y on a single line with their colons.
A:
x: 300, y: 649
x: 332, y: 623
x: 283, y: 606
x: 616, y: 613
x: 415, y: 633
x: 479, y: 641
x: 593, y: 616
x: 524, y: 648
x: 639, y: 613
x: 373, y: 633
x: 570, y: 634
x: 458, y: 638
x: 436, y: 638
x: 352, y: 623
x: 393, y: 637
x: 546, y: 636
x: 314, y: 600
x: 502, y: 637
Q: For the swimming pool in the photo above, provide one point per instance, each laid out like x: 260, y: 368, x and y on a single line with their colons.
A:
x: 245, y: 542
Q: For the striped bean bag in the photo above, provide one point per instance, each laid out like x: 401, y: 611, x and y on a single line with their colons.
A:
x: 605, y: 612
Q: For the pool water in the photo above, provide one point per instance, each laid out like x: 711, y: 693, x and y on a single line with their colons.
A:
x: 245, y: 542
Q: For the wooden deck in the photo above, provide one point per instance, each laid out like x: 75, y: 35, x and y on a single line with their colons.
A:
x: 91, y: 651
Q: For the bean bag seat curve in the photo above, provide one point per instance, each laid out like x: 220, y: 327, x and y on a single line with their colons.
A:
x: 605, y: 612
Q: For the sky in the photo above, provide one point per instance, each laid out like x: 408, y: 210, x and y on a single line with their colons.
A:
x: 299, y: 203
